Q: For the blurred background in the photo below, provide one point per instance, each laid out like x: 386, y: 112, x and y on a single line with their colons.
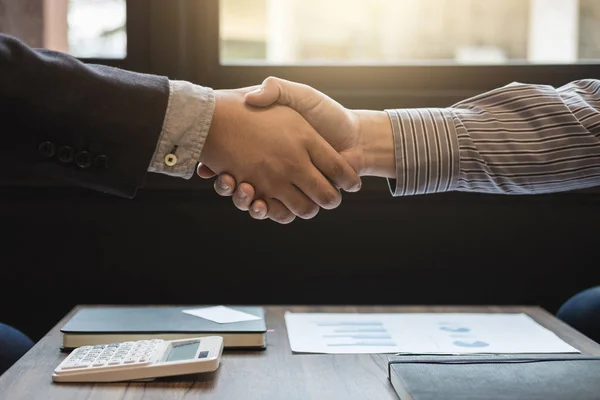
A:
x: 178, y: 242
x: 350, y: 31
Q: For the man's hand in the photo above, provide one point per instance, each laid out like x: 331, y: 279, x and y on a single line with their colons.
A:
x: 277, y: 151
x: 363, y: 138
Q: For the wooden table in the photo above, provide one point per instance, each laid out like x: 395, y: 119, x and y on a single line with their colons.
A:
x: 272, y: 374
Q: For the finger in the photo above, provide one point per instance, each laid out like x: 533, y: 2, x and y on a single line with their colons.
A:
x: 333, y: 166
x: 278, y: 212
x: 298, y: 203
x: 225, y: 185
x: 317, y: 188
x: 243, y: 196
x: 259, y: 209
x: 204, y: 172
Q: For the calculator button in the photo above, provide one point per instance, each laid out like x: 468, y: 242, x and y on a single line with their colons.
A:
x: 84, y: 364
x: 114, y: 362
x: 129, y: 360
x: 98, y: 363
x: 69, y: 366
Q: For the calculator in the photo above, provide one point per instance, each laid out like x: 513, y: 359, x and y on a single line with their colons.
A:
x: 140, y: 360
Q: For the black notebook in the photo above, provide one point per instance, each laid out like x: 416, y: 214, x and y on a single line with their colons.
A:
x: 496, y: 377
x: 101, y: 325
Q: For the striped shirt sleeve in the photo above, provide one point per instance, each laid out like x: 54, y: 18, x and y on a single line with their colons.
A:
x: 517, y: 139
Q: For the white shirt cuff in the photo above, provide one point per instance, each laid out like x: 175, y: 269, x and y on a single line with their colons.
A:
x: 187, y: 122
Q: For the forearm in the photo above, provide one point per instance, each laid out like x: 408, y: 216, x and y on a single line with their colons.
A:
x: 526, y: 139
x: 518, y: 139
x: 94, y: 126
x: 97, y: 126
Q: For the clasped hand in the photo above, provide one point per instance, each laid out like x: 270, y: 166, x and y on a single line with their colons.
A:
x: 287, y: 148
x: 292, y: 169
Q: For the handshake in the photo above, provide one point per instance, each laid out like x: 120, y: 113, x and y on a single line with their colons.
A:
x: 284, y: 150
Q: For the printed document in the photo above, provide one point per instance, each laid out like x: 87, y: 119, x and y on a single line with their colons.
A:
x: 427, y: 333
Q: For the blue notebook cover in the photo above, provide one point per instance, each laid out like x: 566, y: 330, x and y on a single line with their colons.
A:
x: 101, y: 325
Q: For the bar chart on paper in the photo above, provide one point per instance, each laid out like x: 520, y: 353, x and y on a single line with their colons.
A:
x: 429, y: 333
x: 355, y: 334
x: 339, y: 333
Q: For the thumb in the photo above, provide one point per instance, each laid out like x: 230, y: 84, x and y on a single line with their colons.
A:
x: 318, y: 109
x: 265, y: 95
x: 306, y: 100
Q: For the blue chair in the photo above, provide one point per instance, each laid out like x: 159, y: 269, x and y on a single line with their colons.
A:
x: 13, y: 345
x: 582, y: 312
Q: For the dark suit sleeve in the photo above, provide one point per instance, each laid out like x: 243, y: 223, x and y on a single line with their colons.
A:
x: 91, y: 125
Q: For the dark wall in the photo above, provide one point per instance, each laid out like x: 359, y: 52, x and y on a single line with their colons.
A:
x: 64, y: 246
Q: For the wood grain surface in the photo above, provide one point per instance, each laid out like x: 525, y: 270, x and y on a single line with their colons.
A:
x: 275, y: 373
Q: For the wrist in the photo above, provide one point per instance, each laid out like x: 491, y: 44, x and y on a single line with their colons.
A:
x: 211, y: 140
x: 376, y: 142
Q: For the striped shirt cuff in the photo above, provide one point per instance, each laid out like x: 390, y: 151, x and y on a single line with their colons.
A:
x: 426, y: 151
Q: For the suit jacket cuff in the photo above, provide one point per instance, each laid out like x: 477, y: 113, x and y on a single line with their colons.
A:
x: 185, y: 128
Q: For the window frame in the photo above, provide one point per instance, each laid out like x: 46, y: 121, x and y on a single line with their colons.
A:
x: 362, y: 86
x: 137, y: 29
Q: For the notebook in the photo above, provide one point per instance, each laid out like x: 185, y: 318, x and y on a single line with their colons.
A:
x: 101, y: 325
x: 496, y: 377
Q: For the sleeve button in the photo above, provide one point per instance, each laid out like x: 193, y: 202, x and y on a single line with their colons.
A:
x: 83, y: 159
x: 47, y: 149
x: 101, y: 162
x: 65, y: 154
x: 171, y: 159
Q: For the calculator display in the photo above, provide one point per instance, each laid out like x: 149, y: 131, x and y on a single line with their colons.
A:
x: 183, y: 351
